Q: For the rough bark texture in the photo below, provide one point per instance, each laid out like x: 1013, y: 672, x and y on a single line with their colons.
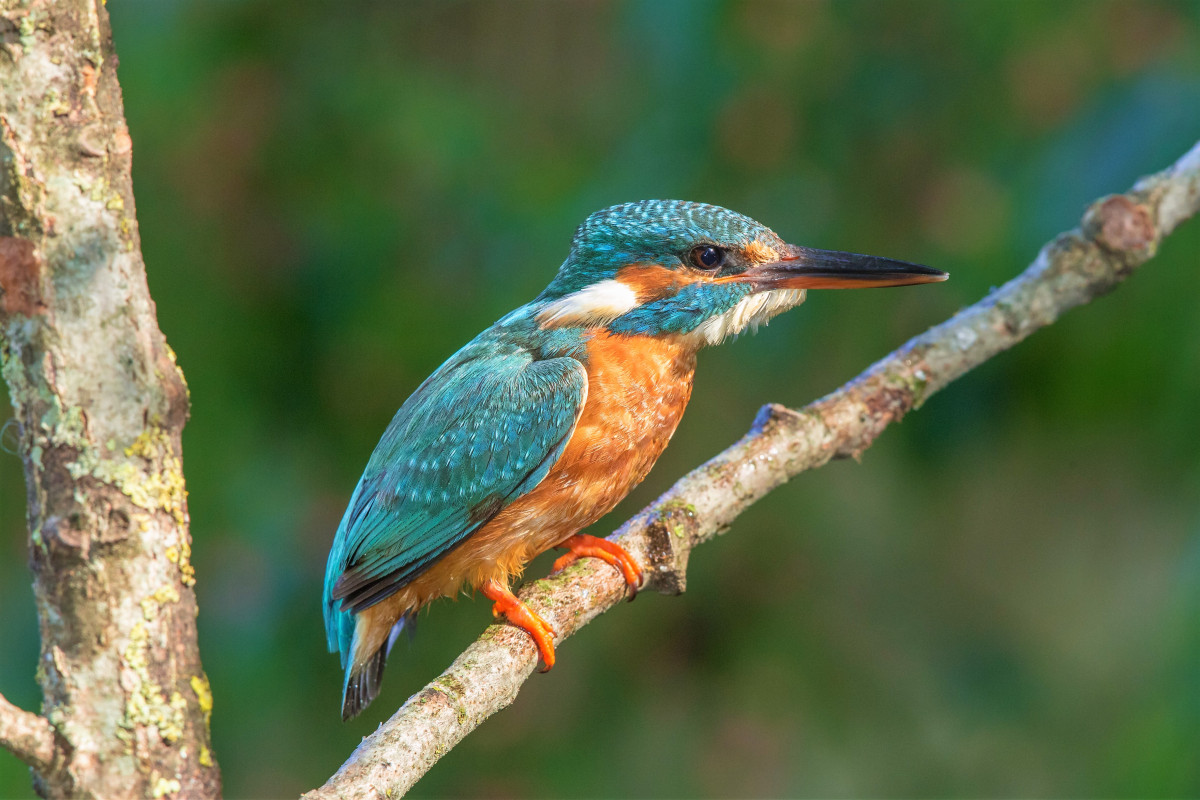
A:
x: 101, y: 405
x: 1118, y: 234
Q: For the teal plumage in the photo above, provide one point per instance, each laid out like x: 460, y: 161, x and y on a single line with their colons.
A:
x: 644, y: 286
x: 477, y: 434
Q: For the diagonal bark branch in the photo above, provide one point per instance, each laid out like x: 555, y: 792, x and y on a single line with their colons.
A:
x: 28, y: 736
x: 1117, y: 235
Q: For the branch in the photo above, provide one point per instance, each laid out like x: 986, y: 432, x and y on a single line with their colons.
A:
x: 27, y: 736
x: 1118, y: 234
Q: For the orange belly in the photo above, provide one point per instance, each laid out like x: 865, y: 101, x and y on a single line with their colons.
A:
x: 638, y: 388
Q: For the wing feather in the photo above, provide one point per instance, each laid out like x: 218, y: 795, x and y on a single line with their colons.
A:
x: 479, y: 433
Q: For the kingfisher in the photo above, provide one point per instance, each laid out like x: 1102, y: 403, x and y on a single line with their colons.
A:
x: 546, y: 420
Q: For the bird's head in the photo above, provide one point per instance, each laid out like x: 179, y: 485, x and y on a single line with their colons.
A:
x: 669, y: 267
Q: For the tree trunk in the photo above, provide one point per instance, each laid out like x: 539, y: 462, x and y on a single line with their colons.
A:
x: 101, y: 406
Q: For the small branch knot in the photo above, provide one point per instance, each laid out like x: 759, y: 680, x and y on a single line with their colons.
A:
x: 775, y: 414
x: 1120, y: 225
x: 669, y: 537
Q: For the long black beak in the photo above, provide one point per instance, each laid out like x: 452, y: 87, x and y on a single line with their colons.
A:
x: 807, y: 268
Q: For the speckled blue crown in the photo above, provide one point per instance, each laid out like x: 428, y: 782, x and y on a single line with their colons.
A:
x: 666, y: 222
x: 650, y: 230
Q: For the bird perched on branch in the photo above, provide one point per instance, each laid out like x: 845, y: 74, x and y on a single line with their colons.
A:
x: 547, y: 419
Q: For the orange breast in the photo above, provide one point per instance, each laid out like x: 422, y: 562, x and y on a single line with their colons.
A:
x: 638, y: 388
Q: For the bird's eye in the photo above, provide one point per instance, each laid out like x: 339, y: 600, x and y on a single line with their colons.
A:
x: 707, y: 257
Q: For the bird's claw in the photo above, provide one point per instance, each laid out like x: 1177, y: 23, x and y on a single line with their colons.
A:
x: 506, y: 604
x: 581, y: 545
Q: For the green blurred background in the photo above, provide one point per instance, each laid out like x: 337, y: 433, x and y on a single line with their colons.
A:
x: 1003, y: 598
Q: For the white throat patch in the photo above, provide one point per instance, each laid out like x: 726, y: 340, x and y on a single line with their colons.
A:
x: 753, y: 310
x: 598, y: 304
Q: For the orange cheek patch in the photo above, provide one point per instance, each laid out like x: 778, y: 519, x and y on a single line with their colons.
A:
x: 652, y: 281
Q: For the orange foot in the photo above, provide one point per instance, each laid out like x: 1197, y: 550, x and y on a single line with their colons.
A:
x: 583, y: 545
x: 517, y: 613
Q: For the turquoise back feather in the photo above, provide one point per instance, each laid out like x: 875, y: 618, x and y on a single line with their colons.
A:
x: 479, y: 433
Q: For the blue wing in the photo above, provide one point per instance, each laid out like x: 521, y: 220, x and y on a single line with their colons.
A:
x: 479, y: 433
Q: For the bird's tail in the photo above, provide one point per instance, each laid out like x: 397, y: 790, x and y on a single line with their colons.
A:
x: 364, y: 678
